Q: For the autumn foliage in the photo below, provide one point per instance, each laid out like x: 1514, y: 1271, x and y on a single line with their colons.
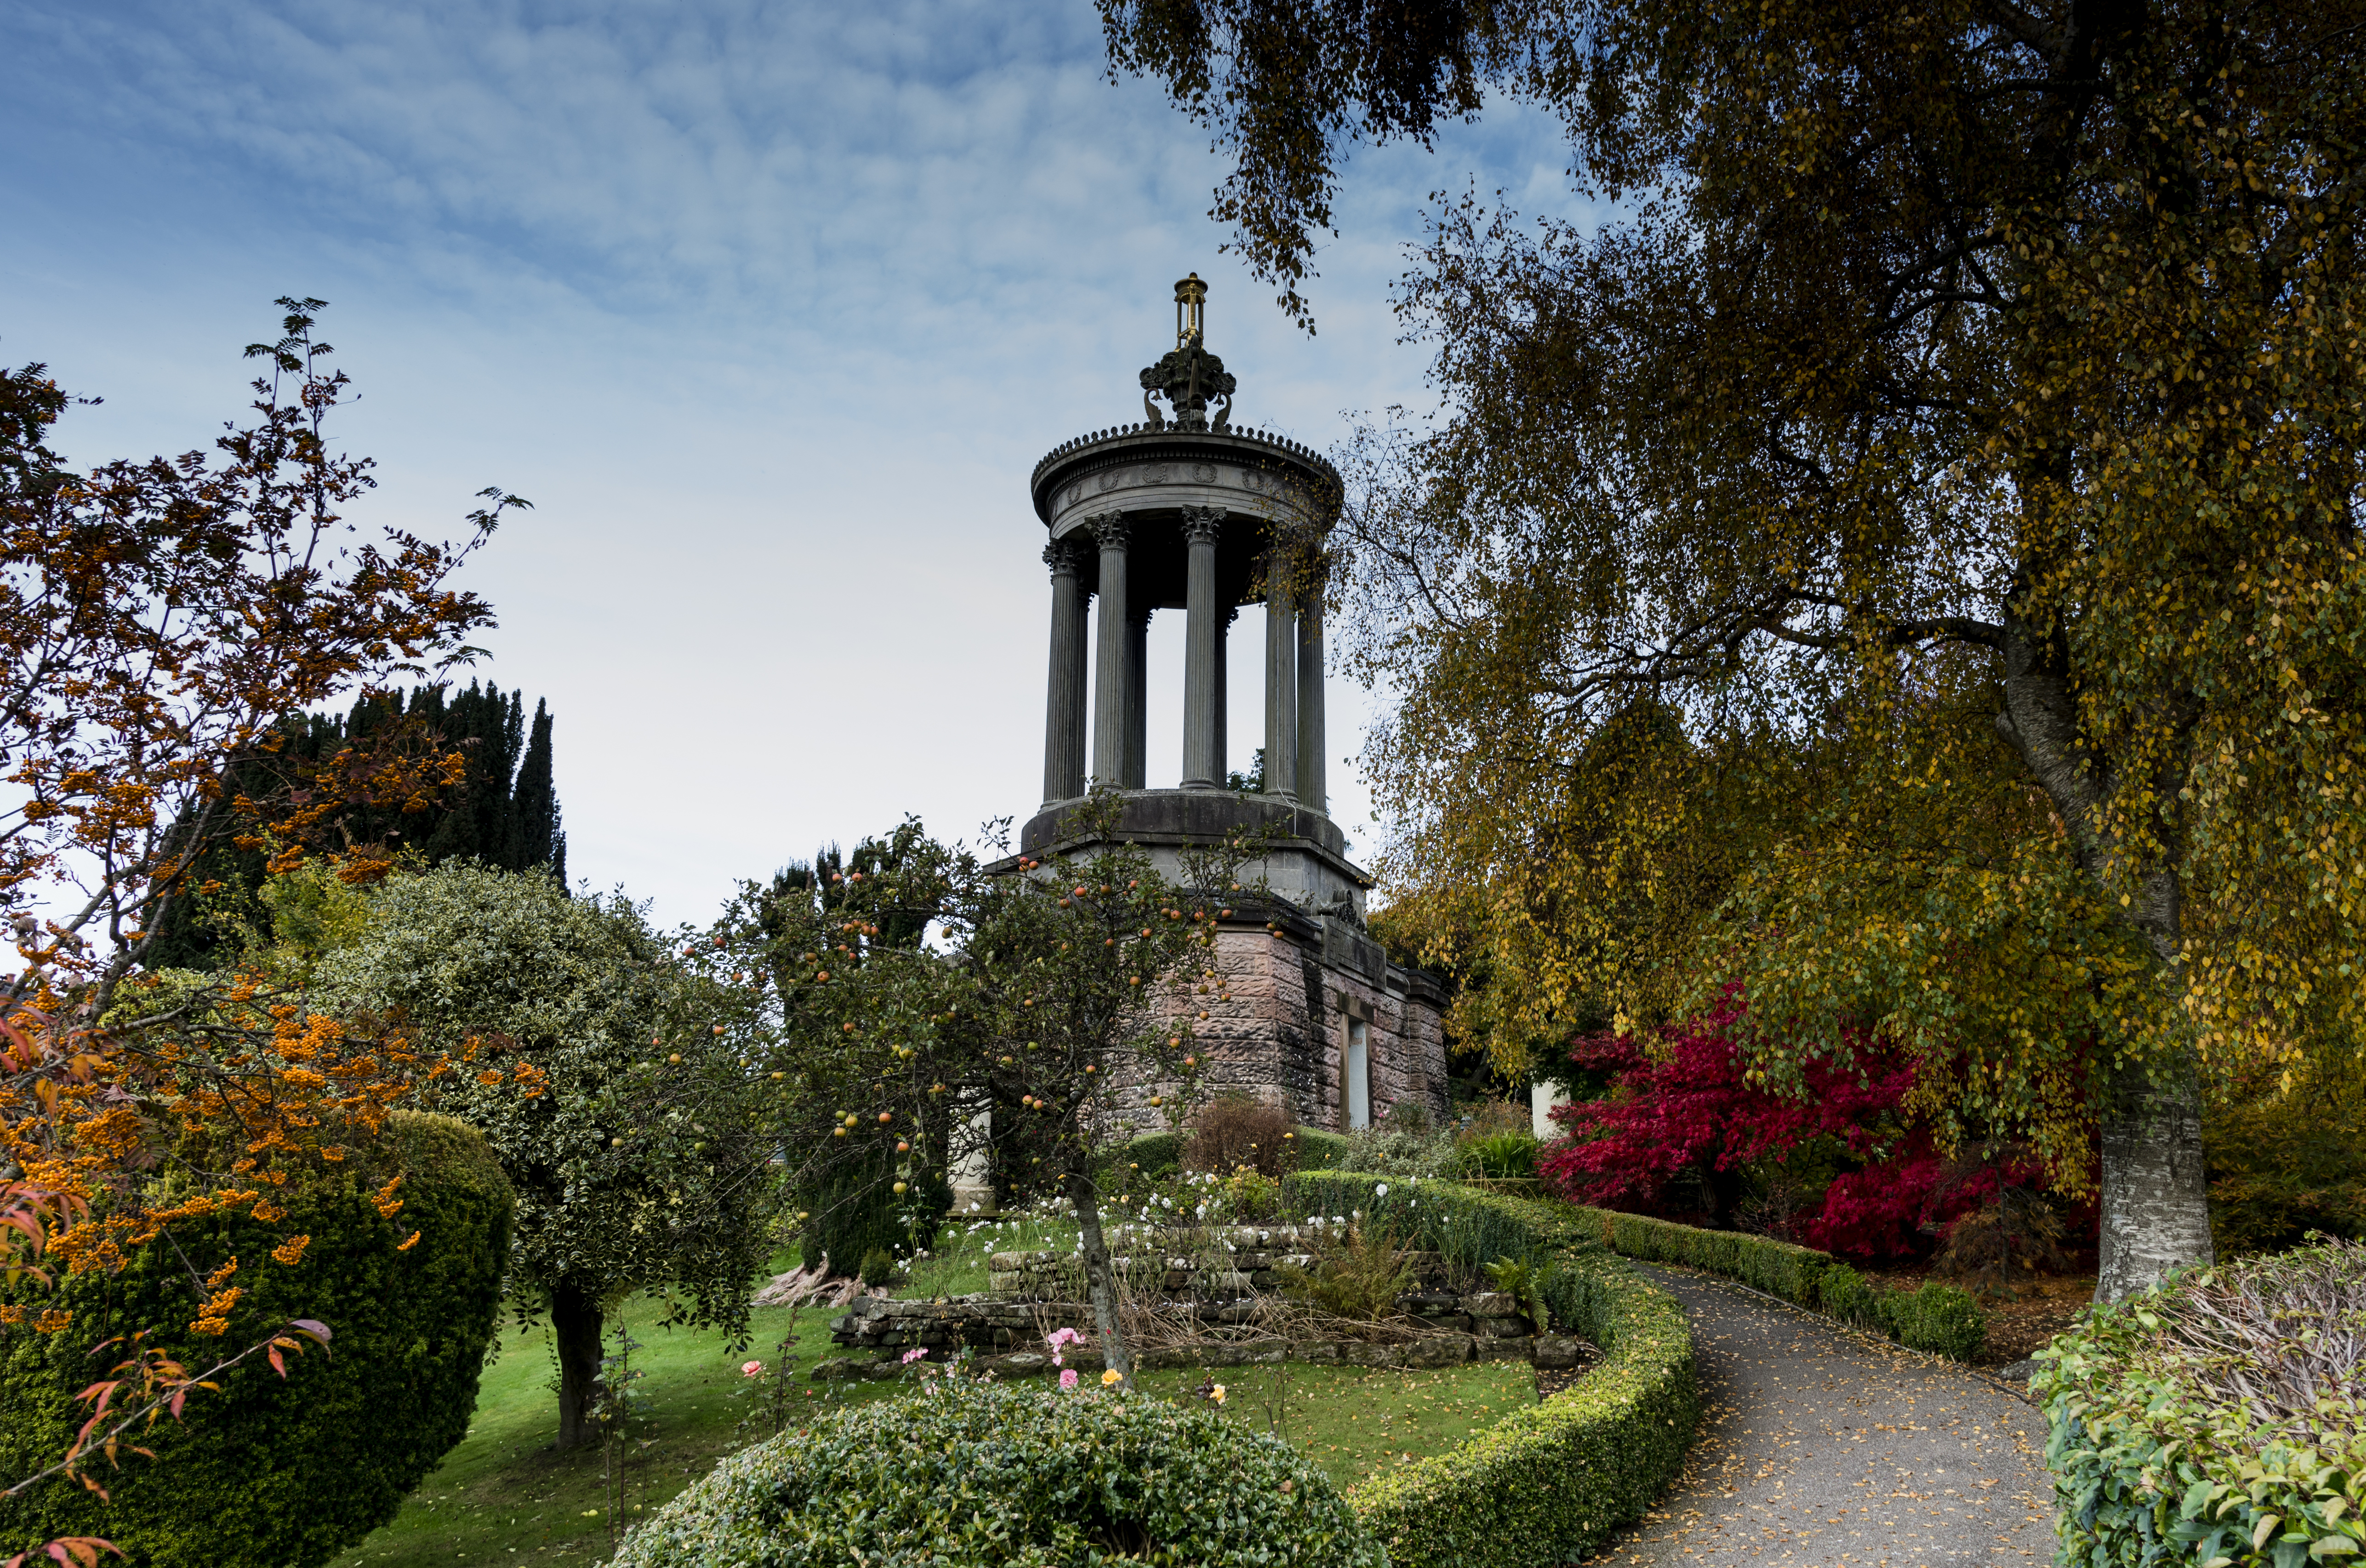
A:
x: 160, y: 622
x: 1689, y: 1128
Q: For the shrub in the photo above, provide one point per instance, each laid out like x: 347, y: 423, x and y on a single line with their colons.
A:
x: 856, y: 1213
x: 1386, y: 1151
x: 1505, y: 1155
x: 274, y: 1472
x: 2287, y: 1160
x: 1234, y: 1131
x: 979, y: 1473
x: 1360, y: 1271
x: 1157, y: 1155
x: 878, y: 1267
x: 1941, y: 1319
x: 2216, y: 1420
x: 1549, y: 1483
x: 1316, y: 1149
x: 2016, y: 1232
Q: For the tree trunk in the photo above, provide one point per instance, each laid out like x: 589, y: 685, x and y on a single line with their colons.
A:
x: 1100, y: 1282
x: 2155, y: 1201
x: 575, y: 1322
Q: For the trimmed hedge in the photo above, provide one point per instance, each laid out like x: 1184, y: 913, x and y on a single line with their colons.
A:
x: 1941, y: 1319
x: 975, y: 1475
x: 1549, y: 1484
x: 1317, y: 1150
x: 2153, y: 1465
x: 270, y: 1472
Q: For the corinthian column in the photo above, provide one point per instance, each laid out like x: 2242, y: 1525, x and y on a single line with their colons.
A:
x: 1063, y: 707
x: 1203, y: 635
x: 1313, y: 784
x: 1110, y: 726
x: 1280, y: 678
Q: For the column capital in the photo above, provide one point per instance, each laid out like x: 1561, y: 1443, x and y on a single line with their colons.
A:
x: 1202, y: 524
x: 1061, y: 556
x: 1109, y: 529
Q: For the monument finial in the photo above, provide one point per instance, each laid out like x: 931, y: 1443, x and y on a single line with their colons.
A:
x: 1191, y: 302
x: 1188, y: 376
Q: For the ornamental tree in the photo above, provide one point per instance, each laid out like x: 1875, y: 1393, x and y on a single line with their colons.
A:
x: 157, y: 621
x: 1053, y: 985
x: 643, y: 1161
x: 1956, y: 417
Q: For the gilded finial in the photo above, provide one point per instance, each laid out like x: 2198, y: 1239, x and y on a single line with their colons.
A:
x: 1190, y: 301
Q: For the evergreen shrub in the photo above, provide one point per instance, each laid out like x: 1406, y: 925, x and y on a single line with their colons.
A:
x: 1317, y: 1150
x: 975, y: 1475
x: 1551, y: 1482
x: 2216, y: 1420
x: 286, y: 1474
x: 856, y: 1211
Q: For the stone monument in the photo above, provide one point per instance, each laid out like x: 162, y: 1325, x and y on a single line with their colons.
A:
x: 1183, y: 512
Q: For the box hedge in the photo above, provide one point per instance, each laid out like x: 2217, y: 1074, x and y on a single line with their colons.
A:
x: 270, y: 1472
x: 2174, y: 1436
x: 1941, y: 1319
x: 1547, y: 1485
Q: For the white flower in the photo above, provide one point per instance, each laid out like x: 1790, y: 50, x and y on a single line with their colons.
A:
x: 1381, y: 1191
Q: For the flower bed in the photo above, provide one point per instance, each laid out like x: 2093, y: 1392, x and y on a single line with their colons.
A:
x: 1547, y: 1485
x: 2216, y: 1421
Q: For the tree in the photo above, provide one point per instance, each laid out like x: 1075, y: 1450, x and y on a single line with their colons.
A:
x: 1963, y: 399
x: 644, y: 1162
x: 479, y: 815
x: 1057, y: 992
x: 156, y: 621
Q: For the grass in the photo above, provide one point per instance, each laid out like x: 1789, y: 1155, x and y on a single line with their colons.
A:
x: 504, y: 1496
x: 1356, y: 1422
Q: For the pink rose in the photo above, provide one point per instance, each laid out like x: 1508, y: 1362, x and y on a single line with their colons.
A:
x: 752, y: 1369
x: 1068, y: 1377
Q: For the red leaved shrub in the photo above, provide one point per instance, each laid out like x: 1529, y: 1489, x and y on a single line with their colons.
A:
x: 1697, y: 1119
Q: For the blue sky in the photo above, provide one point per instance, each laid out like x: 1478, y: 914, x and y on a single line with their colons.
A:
x: 769, y: 309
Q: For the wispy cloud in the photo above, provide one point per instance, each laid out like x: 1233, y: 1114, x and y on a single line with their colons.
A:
x: 771, y: 308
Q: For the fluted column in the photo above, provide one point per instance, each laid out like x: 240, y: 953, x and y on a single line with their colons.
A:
x: 1064, y: 714
x: 1312, y: 782
x: 1137, y: 698
x: 1109, y: 661
x: 1223, y: 769
x: 1280, y: 680
x: 1204, y: 637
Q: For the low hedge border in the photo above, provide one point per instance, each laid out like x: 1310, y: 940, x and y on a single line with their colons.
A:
x: 2148, y: 1468
x: 1547, y: 1485
x: 1941, y: 1319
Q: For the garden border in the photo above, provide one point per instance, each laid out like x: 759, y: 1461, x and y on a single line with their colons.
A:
x: 1941, y: 1320
x: 1549, y: 1484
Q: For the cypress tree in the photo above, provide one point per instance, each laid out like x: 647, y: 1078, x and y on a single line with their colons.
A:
x: 534, y: 838
x: 505, y: 812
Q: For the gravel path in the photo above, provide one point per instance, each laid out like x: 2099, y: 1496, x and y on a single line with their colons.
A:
x: 1818, y: 1447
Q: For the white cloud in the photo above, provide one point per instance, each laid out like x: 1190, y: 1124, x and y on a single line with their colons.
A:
x: 770, y: 309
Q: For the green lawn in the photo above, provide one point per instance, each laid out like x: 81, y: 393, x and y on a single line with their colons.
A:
x: 1356, y: 1422
x: 504, y: 1497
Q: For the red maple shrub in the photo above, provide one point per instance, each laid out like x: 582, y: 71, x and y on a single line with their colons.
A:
x: 1696, y: 1122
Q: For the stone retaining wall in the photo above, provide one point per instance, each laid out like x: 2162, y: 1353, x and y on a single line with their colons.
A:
x: 1005, y: 1336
